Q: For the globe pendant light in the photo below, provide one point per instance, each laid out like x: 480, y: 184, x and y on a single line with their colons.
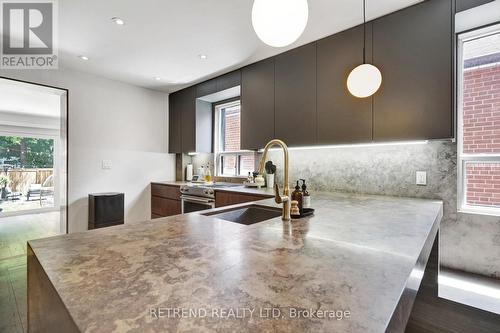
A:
x: 279, y: 23
x: 365, y: 79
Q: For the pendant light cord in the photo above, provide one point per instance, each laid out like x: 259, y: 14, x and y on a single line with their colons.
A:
x: 364, y: 31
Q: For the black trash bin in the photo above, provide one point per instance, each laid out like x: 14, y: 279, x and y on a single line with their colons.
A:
x: 106, y: 209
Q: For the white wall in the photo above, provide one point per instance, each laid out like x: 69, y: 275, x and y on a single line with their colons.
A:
x: 115, y: 121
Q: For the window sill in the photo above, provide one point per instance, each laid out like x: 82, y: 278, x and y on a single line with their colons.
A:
x: 480, y: 210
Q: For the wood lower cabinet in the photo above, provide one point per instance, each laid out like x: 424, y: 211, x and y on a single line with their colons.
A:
x: 232, y: 198
x: 165, y: 207
x: 165, y: 200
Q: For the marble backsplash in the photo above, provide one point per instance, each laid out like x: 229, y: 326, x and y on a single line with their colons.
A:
x: 468, y: 242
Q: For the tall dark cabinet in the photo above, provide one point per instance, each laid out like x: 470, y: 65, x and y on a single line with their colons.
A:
x: 413, y: 50
x: 182, y: 121
x: 188, y: 119
x: 342, y: 118
x: 257, y: 104
x: 295, y: 96
x: 174, y: 123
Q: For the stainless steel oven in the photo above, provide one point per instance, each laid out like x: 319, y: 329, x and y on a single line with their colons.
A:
x: 196, y: 198
x: 193, y: 204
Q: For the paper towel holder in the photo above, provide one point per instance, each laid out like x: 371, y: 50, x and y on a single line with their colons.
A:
x: 189, y: 172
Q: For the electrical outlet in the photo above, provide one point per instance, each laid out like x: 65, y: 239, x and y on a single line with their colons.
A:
x: 106, y: 164
x: 421, y: 178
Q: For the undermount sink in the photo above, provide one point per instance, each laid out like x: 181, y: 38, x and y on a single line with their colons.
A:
x: 247, y: 214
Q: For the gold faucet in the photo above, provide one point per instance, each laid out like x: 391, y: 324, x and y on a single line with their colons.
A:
x: 285, y: 198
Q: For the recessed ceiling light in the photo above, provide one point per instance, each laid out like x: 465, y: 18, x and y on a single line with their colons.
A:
x: 203, y: 56
x: 118, y: 20
x: 157, y: 78
x: 83, y: 57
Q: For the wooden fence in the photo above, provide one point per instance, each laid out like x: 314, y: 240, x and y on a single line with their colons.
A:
x: 21, y: 179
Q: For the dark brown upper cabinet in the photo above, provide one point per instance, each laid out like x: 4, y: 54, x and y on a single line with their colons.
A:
x: 413, y: 48
x: 188, y: 119
x: 468, y: 4
x: 229, y: 80
x: 300, y: 96
x: 295, y: 96
x: 206, y: 88
x: 223, y: 82
x: 257, y: 104
x: 174, y: 124
x: 190, y: 123
x: 342, y: 118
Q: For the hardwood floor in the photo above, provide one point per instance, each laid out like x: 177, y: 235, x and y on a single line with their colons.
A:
x: 433, y: 314
x: 444, y: 316
x: 15, y: 231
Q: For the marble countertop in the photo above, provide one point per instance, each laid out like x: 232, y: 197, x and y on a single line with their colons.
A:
x: 353, y: 259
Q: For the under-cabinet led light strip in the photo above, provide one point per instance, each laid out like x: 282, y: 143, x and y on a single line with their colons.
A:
x: 360, y: 145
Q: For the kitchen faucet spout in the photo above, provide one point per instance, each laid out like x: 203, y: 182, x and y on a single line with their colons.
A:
x: 285, y: 197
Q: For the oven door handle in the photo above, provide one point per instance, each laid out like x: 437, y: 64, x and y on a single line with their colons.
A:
x: 197, y: 200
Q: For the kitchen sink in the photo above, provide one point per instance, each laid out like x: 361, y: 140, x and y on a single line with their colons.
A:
x: 247, y: 214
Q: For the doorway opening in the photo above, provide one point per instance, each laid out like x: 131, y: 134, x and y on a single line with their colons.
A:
x: 33, y: 150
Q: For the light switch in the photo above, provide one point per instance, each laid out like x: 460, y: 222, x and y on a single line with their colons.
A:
x: 106, y: 164
x: 421, y: 178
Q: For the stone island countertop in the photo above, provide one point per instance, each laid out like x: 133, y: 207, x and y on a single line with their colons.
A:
x: 355, y: 261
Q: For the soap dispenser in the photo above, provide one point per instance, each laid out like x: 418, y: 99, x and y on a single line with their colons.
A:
x: 306, y: 197
x: 297, y: 196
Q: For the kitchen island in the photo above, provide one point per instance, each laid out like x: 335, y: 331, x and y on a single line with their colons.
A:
x: 355, y: 266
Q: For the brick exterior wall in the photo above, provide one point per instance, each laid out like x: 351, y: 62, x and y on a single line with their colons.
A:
x: 232, y: 131
x: 483, y: 184
x: 481, y: 118
x: 481, y: 132
x: 232, y: 142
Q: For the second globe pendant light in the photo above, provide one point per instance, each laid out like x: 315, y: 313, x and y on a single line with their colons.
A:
x: 365, y: 79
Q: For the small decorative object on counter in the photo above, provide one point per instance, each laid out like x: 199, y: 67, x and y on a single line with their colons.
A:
x: 297, y: 196
x: 255, y: 181
x: 201, y: 172
x: 270, y: 171
x: 208, y: 174
x: 306, y: 197
x: 259, y: 180
x: 294, y: 209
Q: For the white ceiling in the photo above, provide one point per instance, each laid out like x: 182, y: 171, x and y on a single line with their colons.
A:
x: 165, y: 38
x: 28, y: 99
